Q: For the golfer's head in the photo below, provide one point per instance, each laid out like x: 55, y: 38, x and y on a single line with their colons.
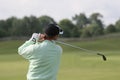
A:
x: 52, y: 31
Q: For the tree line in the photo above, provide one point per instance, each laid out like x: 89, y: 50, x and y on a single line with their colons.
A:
x: 80, y: 26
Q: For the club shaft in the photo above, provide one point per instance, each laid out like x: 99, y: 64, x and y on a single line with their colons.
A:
x: 90, y: 51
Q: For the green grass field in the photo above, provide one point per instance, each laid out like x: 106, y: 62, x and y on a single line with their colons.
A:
x: 75, y: 64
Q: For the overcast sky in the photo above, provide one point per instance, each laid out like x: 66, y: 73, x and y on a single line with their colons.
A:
x: 59, y: 9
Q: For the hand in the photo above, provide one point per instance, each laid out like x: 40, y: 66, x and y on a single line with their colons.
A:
x: 35, y: 37
x: 42, y: 37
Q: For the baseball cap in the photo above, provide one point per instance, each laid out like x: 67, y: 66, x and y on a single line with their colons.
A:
x: 53, y: 29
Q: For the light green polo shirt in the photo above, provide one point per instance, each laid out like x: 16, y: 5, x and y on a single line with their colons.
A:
x: 44, y: 59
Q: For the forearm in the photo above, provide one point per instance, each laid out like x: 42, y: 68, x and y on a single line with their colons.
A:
x: 25, y: 45
x: 28, y: 46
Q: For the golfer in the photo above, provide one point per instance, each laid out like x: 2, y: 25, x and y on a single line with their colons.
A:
x: 43, y: 54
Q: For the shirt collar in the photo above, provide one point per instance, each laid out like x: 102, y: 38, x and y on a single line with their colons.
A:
x: 52, y: 41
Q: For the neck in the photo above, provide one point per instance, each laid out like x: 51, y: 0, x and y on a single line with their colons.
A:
x: 47, y: 38
x: 51, y: 38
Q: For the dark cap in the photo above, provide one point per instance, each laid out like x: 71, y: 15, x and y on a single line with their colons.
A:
x: 53, y: 30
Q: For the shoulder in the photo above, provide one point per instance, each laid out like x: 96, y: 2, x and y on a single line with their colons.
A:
x: 59, y: 48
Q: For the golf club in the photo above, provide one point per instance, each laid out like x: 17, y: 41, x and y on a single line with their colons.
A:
x: 95, y: 52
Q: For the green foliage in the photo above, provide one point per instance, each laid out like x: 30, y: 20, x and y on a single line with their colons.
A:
x: 95, y: 29
x: 2, y: 33
x: 31, y: 25
x: 70, y: 30
x: 95, y: 17
x: 86, y: 33
x: 110, y: 29
x: 9, y: 25
x: 17, y: 28
x: 118, y: 25
x: 81, y: 20
x: 23, y: 27
x: 44, y: 21
x: 91, y: 26
x: 79, y: 26
x: 75, y: 32
x: 92, y: 30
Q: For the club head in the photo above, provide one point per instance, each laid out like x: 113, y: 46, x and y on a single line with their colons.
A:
x: 103, y: 56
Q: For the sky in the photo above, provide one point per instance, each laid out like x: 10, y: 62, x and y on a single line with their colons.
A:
x: 61, y: 9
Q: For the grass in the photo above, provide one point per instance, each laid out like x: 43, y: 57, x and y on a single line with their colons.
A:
x: 75, y: 64
x: 89, y: 68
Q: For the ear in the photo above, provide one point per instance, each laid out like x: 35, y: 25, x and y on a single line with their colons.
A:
x: 45, y: 36
x: 42, y: 37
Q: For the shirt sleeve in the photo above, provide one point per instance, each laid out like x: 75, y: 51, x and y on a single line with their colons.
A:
x: 26, y: 50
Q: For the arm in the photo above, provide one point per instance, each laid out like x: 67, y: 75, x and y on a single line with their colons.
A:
x: 27, y: 49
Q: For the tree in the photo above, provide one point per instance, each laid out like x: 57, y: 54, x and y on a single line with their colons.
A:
x: 86, y: 33
x: 18, y: 28
x: 3, y: 32
x: 44, y: 21
x: 70, y: 30
x: 14, y: 28
x: 34, y: 24
x: 9, y: 25
x: 29, y: 25
x: 25, y: 26
x: 81, y: 20
x: 96, y: 18
x: 92, y: 30
x: 96, y: 23
x: 95, y: 30
x: 110, y: 29
x: 117, y: 25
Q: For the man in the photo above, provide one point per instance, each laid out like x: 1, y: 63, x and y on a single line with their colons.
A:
x: 44, y: 57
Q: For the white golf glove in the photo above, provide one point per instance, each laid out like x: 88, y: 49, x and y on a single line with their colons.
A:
x: 35, y: 37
